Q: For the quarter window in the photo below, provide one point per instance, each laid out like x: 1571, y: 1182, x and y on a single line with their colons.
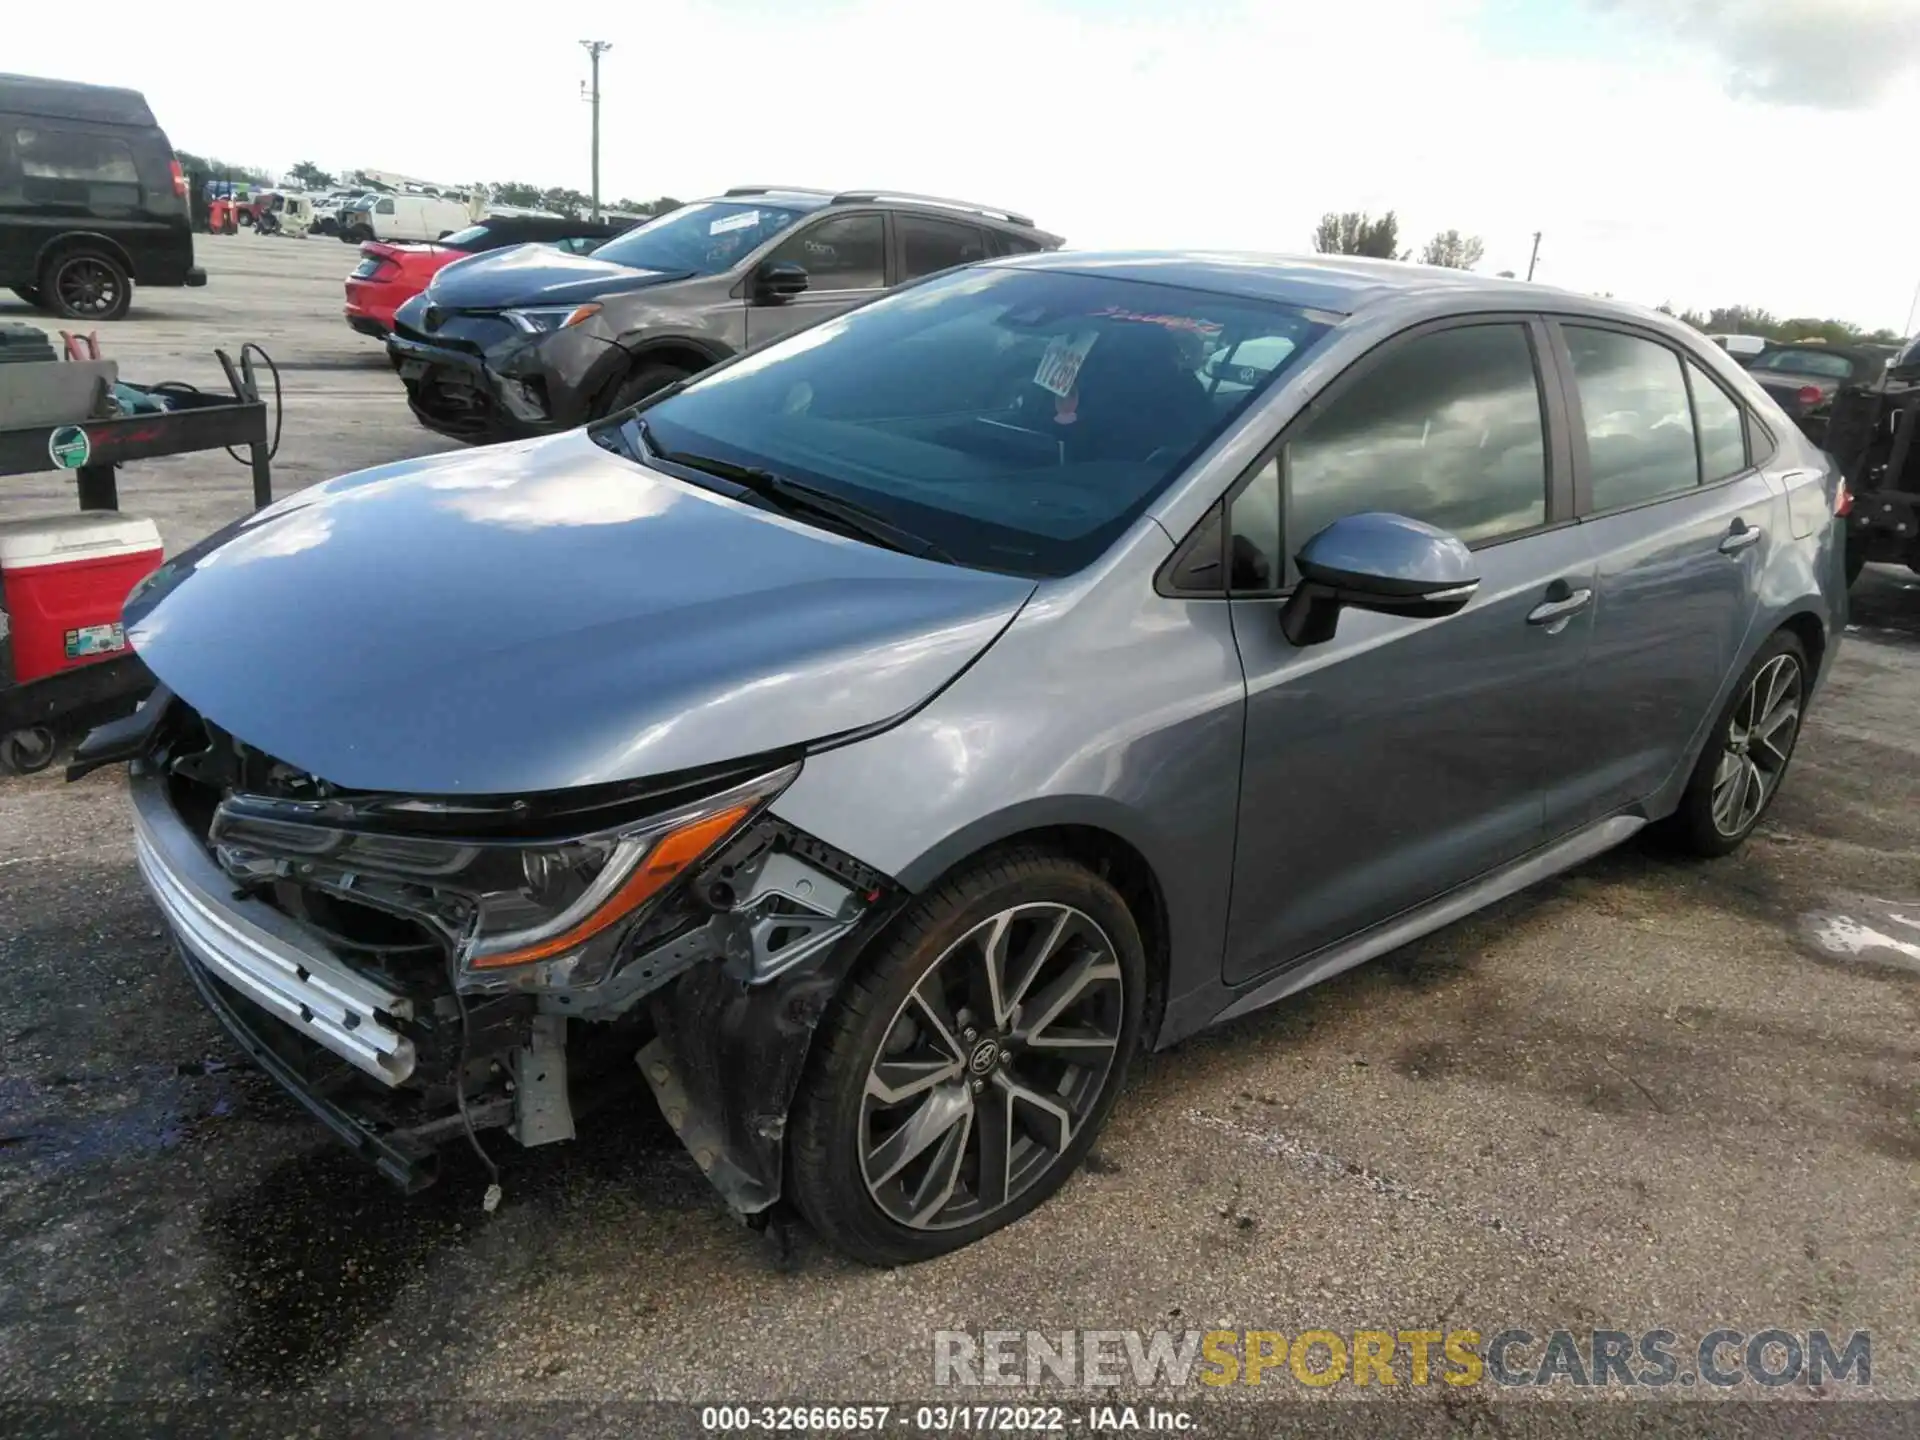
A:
x: 1723, y: 442
x: 930, y: 245
x: 844, y: 253
x: 1633, y: 398
x: 1446, y: 428
x: 75, y: 155
x: 1256, y: 562
x: 72, y: 167
x: 1005, y: 244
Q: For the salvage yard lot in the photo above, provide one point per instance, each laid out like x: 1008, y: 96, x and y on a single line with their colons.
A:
x: 1649, y: 1093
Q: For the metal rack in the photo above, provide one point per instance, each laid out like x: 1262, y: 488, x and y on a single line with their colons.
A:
x: 194, y: 421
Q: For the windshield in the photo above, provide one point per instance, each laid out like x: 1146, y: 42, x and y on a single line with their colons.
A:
x: 705, y: 237
x: 1017, y: 419
x: 462, y: 239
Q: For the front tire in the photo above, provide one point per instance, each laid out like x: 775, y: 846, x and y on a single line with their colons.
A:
x: 968, y: 1066
x: 1740, y: 770
x: 644, y: 381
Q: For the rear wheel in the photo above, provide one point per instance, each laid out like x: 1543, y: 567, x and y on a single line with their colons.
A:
x: 968, y: 1068
x: 1744, y: 762
x: 28, y: 751
x: 86, y: 285
x: 643, y: 382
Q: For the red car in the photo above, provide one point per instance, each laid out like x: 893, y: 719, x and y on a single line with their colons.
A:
x: 389, y: 275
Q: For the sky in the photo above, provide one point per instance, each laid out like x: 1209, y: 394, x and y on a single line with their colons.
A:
x: 1696, y: 152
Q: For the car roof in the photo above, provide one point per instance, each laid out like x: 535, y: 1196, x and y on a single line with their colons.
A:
x: 1342, y: 284
x: 787, y: 197
x: 805, y: 200
x: 70, y: 100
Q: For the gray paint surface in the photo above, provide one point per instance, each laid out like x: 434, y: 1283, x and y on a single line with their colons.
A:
x: 540, y: 615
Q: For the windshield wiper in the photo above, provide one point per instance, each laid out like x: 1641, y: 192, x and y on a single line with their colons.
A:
x: 796, y: 497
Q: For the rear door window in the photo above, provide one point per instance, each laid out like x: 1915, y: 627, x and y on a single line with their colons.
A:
x: 930, y: 245
x: 1638, y: 417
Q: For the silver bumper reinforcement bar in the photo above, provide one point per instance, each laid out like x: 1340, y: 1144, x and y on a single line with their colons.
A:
x: 268, y: 957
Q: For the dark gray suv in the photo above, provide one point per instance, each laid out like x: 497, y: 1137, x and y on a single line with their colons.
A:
x: 530, y: 341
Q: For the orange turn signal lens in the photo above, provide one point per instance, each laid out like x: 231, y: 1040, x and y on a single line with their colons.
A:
x: 670, y: 856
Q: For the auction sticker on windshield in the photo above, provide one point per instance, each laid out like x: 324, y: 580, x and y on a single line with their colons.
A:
x: 745, y: 220
x: 1060, y: 366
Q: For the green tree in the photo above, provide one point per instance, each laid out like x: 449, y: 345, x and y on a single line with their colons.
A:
x: 645, y: 207
x: 516, y: 192
x: 1354, y: 232
x: 1453, y: 250
x: 1753, y: 320
x: 564, y: 201
x: 310, y: 176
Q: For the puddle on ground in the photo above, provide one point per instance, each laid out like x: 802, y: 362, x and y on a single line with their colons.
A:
x: 1883, y: 933
x: 77, y: 1120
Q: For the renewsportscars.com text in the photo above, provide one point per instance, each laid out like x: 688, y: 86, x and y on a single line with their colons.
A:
x: 1514, y: 1357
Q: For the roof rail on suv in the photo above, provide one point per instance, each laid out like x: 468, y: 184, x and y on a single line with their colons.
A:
x: 777, y: 190
x: 991, y: 212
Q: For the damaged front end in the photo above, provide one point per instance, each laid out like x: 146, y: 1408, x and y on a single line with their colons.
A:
x: 418, y: 969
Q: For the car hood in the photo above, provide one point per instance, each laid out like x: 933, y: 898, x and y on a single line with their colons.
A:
x: 536, y: 275
x: 543, y: 615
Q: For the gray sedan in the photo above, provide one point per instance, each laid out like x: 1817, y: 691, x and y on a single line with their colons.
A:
x: 881, y: 740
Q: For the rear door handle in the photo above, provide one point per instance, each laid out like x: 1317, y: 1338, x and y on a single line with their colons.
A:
x: 1562, y: 603
x: 1740, y: 537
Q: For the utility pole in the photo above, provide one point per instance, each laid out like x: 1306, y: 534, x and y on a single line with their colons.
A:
x: 595, y: 49
x: 1535, y: 259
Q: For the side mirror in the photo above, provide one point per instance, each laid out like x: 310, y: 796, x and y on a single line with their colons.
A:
x: 779, y: 280
x: 1384, y: 563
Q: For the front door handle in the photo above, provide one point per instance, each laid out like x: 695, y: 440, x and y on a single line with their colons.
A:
x: 1741, y: 536
x: 1561, y: 604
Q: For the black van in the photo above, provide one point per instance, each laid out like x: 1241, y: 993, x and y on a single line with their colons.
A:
x: 92, y: 201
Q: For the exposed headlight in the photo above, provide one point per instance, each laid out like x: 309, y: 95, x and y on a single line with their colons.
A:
x: 542, y: 319
x: 502, y: 902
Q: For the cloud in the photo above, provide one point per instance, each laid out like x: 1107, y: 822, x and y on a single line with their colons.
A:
x: 1831, y: 54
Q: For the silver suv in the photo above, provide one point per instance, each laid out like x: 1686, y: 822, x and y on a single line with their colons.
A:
x: 529, y: 341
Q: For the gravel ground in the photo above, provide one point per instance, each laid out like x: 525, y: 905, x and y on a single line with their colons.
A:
x: 1647, y: 1094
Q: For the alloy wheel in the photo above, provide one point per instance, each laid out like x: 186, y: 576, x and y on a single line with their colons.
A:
x: 88, y: 287
x: 991, y: 1066
x: 1758, y: 744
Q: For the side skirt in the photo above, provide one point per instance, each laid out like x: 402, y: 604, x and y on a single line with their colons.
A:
x: 1410, y: 925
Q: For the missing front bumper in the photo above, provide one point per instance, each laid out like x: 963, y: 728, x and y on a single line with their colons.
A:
x: 274, y: 961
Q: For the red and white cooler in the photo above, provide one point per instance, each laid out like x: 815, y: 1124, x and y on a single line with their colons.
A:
x: 63, y: 581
